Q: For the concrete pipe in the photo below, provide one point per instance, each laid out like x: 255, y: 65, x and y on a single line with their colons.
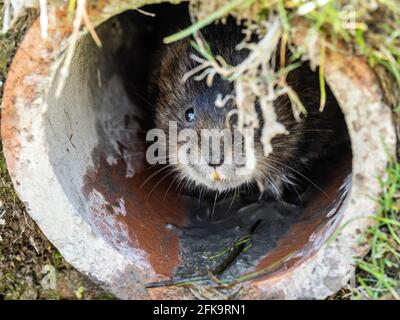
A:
x: 77, y: 163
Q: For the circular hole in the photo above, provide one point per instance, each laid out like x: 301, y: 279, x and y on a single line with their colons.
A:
x: 96, y: 135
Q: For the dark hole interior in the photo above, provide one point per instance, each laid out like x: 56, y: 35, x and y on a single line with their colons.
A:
x: 190, y: 233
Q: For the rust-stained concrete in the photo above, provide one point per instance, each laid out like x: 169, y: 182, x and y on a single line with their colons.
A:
x: 49, y: 145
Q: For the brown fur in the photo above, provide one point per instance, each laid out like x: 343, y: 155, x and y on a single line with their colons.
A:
x: 308, y: 139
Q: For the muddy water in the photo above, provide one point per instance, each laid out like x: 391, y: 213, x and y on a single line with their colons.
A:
x: 188, y: 234
x: 214, y: 231
x: 229, y: 236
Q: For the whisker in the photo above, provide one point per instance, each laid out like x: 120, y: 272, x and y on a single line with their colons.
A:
x: 215, y: 202
x: 200, y: 197
x: 143, y: 99
x: 302, y: 175
x: 152, y: 176
x: 158, y: 183
x: 169, y: 187
x: 278, y: 192
x: 298, y: 194
x: 182, y: 184
x: 233, y: 199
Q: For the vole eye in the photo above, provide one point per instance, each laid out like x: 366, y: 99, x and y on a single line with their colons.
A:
x: 190, y: 115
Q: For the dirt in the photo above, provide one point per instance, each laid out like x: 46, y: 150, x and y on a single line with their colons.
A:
x: 30, y: 266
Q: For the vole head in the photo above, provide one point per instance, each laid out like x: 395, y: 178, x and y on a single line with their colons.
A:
x: 191, y: 106
x: 210, y: 152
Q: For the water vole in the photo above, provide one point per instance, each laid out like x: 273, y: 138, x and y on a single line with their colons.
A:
x: 191, y: 104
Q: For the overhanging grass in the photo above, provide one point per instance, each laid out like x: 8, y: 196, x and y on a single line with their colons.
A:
x: 373, y: 33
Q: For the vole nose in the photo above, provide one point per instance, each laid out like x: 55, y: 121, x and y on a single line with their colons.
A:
x: 216, y: 162
x: 215, y: 156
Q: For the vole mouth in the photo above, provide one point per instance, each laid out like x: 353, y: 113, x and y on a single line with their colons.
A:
x: 216, y: 176
x: 215, y: 179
